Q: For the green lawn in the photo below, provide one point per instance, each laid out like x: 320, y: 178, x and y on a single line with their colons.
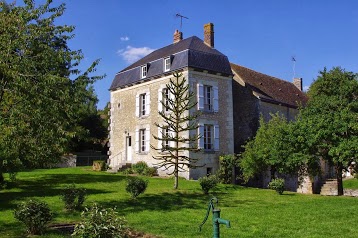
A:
x: 350, y: 183
x: 168, y: 213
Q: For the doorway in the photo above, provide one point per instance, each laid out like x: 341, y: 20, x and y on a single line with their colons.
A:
x: 128, y: 148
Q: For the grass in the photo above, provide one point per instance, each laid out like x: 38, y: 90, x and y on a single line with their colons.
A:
x: 350, y: 183
x: 168, y: 213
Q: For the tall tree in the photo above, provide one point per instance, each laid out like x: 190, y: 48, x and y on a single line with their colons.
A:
x: 38, y: 100
x: 175, y: 137
x: 330, y: 120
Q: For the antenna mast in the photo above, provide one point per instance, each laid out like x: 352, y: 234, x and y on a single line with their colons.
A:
x: 294, y: 66
x: 181, y: 19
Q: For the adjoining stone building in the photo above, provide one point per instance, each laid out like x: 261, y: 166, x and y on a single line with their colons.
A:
x: 230, y: 97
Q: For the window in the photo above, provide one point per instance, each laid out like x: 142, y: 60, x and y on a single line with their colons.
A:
x: 209, y: 140
x: 165, y: 136
x: 208, y: 137
x: 163, y: 100
x: 142, y: 141
x: 142, y: 104
x: 166, y: 64
x: 208, y: 98
x: 209, y: 171
x: 166, y: 99
x: 143, y: 71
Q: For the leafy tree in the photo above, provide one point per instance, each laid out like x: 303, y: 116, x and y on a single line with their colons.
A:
x: 178, y: 122
x: 38, y: 99
x: 329, y: 122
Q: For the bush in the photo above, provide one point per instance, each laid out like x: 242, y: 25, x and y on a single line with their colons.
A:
x: 150, y: 171
x: 136, y: 186
x: 34, y: 214
x: 278, y: 185
x: 208, y: 183
x: 97, y: 222
x: 73, y: 197
x: 140, y: 167
x: 99, y: 165
x: 128, y: 171
x: 227, y: 165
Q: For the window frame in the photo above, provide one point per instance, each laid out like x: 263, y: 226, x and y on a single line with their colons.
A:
x: 208, y: 98
x: 142, y: 141
x: 167, y: 64
x: 208, y: 137
x: 143, y: 71
x: 142, y: 104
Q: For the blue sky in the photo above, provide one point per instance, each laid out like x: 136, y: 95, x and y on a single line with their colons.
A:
x: 259, y: 34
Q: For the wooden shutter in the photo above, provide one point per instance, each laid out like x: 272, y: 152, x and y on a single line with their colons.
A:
x: 216, y: 99
x: 137, y: 105
x: 216, y: 138
x: 201, y: 134
x: 147, y: 103
x: 200, y: 96
x: 137, y: 145
x: 147, y: 139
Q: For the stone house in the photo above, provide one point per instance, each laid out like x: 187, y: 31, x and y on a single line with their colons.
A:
x: 230, y: 97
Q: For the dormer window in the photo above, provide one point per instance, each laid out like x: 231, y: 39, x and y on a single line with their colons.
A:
x: 166, y: 64
x: 143, y: 71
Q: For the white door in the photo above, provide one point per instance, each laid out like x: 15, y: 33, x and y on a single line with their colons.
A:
x: 129, y: 148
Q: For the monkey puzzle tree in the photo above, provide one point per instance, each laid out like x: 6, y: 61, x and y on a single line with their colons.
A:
x: 175, y: 140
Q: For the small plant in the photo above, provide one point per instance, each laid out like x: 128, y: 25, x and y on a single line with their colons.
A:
x: 278, y: 185
x: 208, y: 183
x: 140, y: 167
x: 98, y: 222
x: 136, y: 186
x: 150, y: 171
x: 34, y: 214
x: 99, y: 165
x: 227, y: 163
x: 73, y: 197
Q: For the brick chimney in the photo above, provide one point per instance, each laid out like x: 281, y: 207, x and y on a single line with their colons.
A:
x: 178, y: 36
x: 298, y: 83
x: 209, y: 34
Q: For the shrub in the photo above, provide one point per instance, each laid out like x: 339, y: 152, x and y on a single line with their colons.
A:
x: 136, y: 186
x: 99, y: 165
x: 140, y: 167
x: 128, y: 171
x: 150, y: 171
x: 73, y: 197
x: 98, y: 222
x: 34, y: 214
x: 227, y: 165
x: 278, y: 185
x: 208, y: 183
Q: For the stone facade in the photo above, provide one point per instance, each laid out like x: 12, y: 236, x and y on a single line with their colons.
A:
x: 124, y: 122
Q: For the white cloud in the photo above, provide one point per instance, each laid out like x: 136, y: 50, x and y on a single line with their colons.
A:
x: 305, y: 88
x: 132, y: 54
x: 124, y: 38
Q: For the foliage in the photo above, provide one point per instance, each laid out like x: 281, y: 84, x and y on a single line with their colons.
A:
x: 99, y: 165
x: 227, y: 165
x: 278, y: 185
x: 41, y: 88
x: 73, y: 197
x: 139, y: 167
x: 208, y: 183
x: 98, y: 222
x: 273, y: 148
x: 328, y: 124
x: 136, y: 186
x: 150, y: 171
x: 178, y: 120
x: 34, y: 214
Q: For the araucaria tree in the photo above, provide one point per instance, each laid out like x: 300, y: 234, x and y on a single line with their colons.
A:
x: 41, y: 88
x: 175, y: 140
x: 329, y: 122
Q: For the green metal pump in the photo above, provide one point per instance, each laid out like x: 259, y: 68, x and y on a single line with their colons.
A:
x: 216, y: 218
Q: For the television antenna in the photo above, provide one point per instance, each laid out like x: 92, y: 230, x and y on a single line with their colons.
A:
x: 181, y: 19
x: 293, y: 58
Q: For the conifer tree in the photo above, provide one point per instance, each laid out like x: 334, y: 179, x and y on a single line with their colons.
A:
x: 175, y: 139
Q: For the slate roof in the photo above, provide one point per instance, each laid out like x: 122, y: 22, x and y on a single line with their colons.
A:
x: 270, y: 89
x: 190, y: 52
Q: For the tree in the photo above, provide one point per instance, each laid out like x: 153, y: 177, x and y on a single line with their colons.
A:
x: 38, y: 99
x: 174, y: 133
x: 329, y: 122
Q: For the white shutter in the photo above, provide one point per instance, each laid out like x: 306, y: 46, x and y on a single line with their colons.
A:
x: 201, y: 139
x: 160, y: 136
x: 160, y: 98
x: 147, y: 139
x: 216, y: 137
x: 147, y: 103
x: 137, y: 141
x: 137, y: 105
x: 200, y: 96
x: 216, y: 99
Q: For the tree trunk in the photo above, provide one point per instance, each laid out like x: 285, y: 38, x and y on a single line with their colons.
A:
x: 339, y: 169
